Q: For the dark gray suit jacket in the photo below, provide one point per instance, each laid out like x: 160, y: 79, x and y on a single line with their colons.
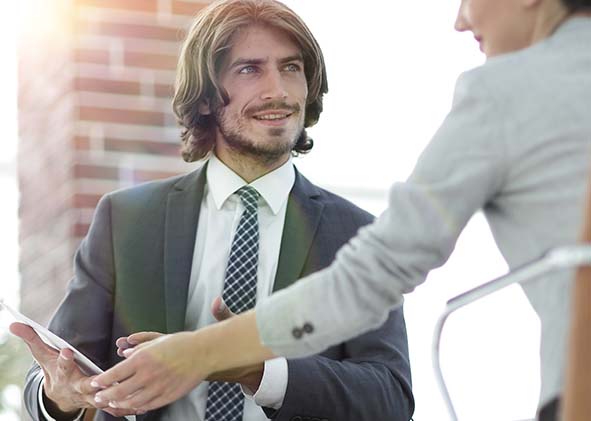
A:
x: 132, y: 274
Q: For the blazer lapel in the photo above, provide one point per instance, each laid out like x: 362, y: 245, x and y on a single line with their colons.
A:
x: 304, y: 210
x: 182, y: 216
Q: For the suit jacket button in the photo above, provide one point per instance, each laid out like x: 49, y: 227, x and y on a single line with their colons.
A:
x: 297, y: 333
x: 308, y: 328
x: 296, y: 418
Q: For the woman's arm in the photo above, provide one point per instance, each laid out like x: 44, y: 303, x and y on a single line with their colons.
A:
x: 161, y: 371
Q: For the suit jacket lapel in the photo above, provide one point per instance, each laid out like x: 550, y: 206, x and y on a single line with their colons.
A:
x: 304, y: 210
x: 182, y: 216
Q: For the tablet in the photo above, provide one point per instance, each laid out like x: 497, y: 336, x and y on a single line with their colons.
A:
x: 54, y: 341
x: 86, y: 365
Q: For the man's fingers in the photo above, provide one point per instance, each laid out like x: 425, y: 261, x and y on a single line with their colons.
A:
x: 122, y: 343
x: 126, y: 344
x: 40, y: 350
x: 65, y: 363
x: 220, y: 310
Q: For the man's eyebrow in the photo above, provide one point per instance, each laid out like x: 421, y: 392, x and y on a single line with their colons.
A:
x: 257, y: 61
x: 295, y: 57
x: 246, y: 61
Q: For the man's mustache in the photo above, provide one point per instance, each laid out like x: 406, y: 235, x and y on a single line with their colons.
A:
x: 271, y: 106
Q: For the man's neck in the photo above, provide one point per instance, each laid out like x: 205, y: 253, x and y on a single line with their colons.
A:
x: 249, y: 168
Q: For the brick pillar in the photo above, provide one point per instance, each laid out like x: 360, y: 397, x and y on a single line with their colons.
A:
x: 95, y: 84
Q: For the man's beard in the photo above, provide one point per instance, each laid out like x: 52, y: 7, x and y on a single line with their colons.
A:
x: 266, y: 152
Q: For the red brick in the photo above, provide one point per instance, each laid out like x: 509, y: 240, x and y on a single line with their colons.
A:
x: 131, y: 5
x: 143, y: 147
x: 109, y: 115
x: 83, y: 55
x: 82, y: 200
x: 81, y: 143
x: 79, y: 229
x: 151, y: 61
x: 140, y: 176
x: 95, y: 171
x: 106, y: 85
x: 127, y: 30
x: 164, y: 90
x: 186, y: 7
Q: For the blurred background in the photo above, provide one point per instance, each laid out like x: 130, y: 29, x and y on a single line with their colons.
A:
x: 92, y: 80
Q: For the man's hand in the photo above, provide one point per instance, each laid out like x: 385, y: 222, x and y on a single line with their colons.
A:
x: 67, y: 389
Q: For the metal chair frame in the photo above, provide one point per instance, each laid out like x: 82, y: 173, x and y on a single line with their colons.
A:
x: 561, y: 258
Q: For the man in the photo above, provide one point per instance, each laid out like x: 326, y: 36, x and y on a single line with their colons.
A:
x: 251, y: 77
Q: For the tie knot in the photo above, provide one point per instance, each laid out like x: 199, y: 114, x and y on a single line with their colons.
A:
x: 249, y: 196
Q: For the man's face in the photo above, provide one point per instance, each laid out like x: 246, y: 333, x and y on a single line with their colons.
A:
x: 499, y: 26
x: 263, y: 75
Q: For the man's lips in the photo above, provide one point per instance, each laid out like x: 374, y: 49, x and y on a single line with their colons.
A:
x: 274, y: 117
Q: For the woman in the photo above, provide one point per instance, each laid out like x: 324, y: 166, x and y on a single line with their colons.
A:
x: 515, y: 144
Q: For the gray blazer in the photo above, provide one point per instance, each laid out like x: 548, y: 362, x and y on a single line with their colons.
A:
x: 516, y: 144
x: 132, y: 274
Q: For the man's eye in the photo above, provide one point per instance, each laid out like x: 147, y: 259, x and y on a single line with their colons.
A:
x: 292, y: 67
x: 247, y: 70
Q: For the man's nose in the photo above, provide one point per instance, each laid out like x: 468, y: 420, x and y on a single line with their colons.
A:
x: 274, y: 86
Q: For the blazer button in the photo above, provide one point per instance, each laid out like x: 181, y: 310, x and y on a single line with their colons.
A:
x: 297, y: 333
x: 308, y: 328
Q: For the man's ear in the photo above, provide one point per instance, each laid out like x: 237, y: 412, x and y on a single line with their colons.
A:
x: 204, y: 108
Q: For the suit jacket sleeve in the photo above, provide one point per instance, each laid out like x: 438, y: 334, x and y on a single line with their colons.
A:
x: 84, y: 318
x: 364, y: 379
x: 372, y: 382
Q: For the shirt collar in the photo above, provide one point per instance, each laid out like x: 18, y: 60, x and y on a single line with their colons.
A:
x: 273, y: 187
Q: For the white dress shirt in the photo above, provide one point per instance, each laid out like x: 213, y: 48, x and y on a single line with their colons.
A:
x: 221, y: 210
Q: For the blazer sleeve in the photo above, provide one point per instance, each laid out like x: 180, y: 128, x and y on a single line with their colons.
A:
x: 31, y: 392
x: 372, y: 382
x: 84, y: 318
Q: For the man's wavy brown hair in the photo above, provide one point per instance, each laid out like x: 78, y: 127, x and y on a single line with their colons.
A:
x: 201, y: 60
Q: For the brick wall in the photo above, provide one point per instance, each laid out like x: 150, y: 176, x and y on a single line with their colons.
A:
x: 95, y: 83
